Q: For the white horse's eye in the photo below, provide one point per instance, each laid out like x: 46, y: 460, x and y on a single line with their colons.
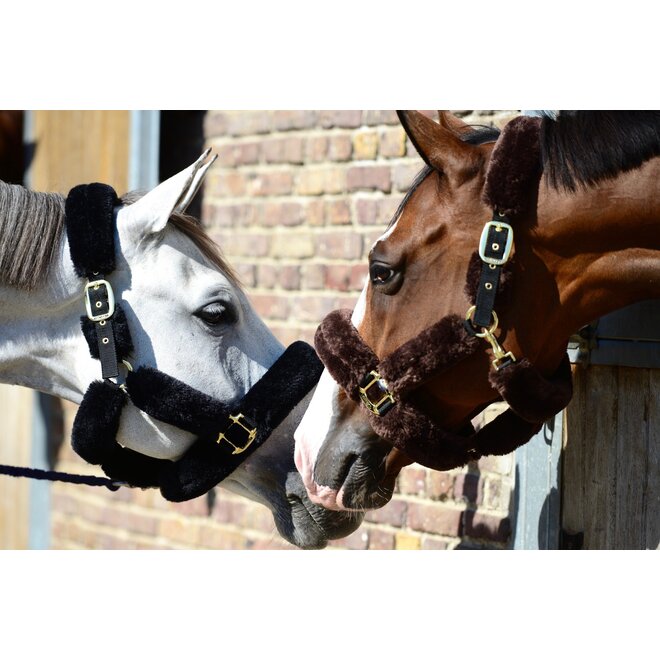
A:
x: 216, y: 313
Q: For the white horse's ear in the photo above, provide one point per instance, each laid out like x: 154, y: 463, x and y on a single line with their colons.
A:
x: 151, y: 212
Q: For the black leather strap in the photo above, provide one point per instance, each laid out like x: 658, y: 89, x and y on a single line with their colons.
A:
x: 493, y: 250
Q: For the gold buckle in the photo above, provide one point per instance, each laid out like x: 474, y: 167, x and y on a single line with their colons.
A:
x: 483, y: 243
x: 236, y: 421
x: 383, y: 404
x: 95, y: 284
x: 499, y: 353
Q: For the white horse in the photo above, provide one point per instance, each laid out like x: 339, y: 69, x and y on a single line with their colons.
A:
x: 188, y: 317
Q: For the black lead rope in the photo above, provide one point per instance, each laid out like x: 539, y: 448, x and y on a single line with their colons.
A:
x: 52, y: 475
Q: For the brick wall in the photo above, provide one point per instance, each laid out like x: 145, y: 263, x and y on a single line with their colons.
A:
x: 295, y: 200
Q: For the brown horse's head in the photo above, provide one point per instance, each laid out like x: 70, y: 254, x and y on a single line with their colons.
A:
x: 418, y: 271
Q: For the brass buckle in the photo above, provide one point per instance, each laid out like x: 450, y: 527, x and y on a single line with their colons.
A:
x: 487, y: 334
x: 483, y: 242
x: 236, y: 421
x: 95, y: 284
x: 383, y: 404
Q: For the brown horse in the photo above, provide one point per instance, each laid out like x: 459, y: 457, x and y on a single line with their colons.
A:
x: 589, y: 246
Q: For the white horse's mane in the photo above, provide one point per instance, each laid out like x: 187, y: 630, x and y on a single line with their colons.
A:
x: 31, y: 227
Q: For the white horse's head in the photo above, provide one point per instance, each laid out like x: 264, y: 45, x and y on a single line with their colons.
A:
x: 187, y: 315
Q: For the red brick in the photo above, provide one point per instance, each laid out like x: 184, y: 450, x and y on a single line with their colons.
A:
x: 338, y: 212
x: 358, y: 540
x: 314, y: 213
x: 375, y: 117
x: 369, y: 177
x: 392, y: 143
x: 266, y: 276
x: 358, y: 276
x: 237, y: 153
x: 340, y: 148
x: 340, y: 118
x: 270, y: 306
x: 248, y: 122
x: 468, y: 488
x: 289, y: 278
x: 434, y: 518
x: 283, y: 150
x: 293, y: 245
x: 316, y: 149
x: 270, y: 183
x: 180, y: 530
x: 235, y: 244
x: 393, y: 513
x: 215, y: 124
x: 404, y: 175
x: 496, y: 464
x: 285, y: 214
x: 431, y: 543
x: 440, y: 485
x: 312, y: 276
x: 365, y: 145
x: 286, y: 120
x: 227, y: 184
x: 317, y: 181
x: 366, y: 209
x: 412, y: 481
x: 479, y: 525
x: 497, y: 495
x: 381, y: 540
x: 247, y: 273
x: 338, y: 277
x: 232, y: 215
x: 315, y: 308
x: 339, y: 245
x: 220, y: 538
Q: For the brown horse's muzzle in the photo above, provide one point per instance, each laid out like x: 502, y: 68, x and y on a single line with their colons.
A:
x: 385, y: 388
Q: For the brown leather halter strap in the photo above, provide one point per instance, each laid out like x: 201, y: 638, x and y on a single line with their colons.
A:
x: 386, y: 387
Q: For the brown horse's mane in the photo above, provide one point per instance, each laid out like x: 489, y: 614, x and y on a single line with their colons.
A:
x: 31, y: 228
x: 581, y: 148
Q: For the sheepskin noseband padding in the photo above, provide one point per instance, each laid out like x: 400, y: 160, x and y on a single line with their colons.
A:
x: 533, y: 398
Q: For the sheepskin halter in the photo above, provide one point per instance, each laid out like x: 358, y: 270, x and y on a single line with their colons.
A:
x: 386, y: 387
x: 226, y: 434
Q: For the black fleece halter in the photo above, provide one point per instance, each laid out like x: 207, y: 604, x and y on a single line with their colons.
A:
x: 386, y: 387
x: 226, y: 433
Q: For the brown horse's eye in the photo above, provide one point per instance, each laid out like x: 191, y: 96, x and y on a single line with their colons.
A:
x: 380, y: 274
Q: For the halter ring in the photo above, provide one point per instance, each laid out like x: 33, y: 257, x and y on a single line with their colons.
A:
x: 493, y: 327
x: 502, y: 357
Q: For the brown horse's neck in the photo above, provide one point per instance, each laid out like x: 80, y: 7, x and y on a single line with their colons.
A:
x: 590, y: 253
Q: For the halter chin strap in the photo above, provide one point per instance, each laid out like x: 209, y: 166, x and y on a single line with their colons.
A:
x: 226, y: 433
x: 386, y: 387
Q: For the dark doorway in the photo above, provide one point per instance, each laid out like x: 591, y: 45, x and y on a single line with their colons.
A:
x: 181, y: 143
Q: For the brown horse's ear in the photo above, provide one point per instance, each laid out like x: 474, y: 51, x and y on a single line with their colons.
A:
x: 453, y: 123
x: 438, y: 144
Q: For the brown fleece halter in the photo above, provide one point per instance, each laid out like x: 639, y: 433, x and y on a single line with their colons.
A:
x: 386, y: 387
